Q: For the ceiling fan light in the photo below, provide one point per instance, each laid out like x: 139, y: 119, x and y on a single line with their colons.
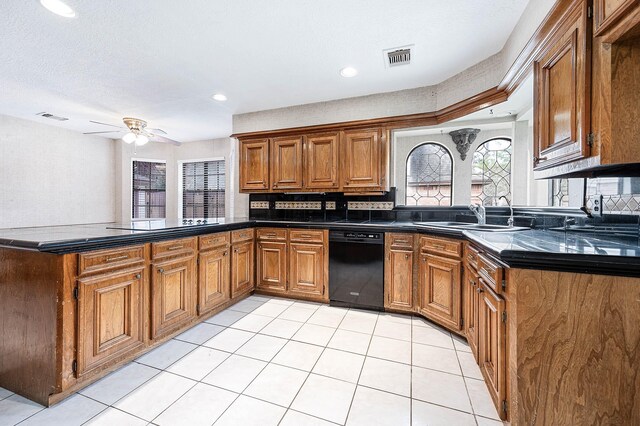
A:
x: 141, y: 140
x: 129, y: 137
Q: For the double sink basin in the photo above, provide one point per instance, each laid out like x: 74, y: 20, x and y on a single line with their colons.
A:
x: 462, y: 226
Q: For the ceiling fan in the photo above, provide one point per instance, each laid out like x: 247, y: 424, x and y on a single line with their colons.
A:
x: 137, y: 132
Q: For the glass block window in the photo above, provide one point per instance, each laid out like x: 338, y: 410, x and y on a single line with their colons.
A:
x: 619, y: 195
x: 203, y: 189
x: 149, y: 189
x: 429, y: 176
x: 491, y: 173
x: 560, y: 192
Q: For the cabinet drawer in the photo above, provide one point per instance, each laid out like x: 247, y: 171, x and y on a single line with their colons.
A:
x: 214, y: 240
x: 441, y: 246
x: 173, y: 248
x: 103, y: 260
x: 304, y: 235
x: 271, y: 234
x: 471, y: 256
x: 400, y: 241
x: 491, y: 271
x: 242, y: 235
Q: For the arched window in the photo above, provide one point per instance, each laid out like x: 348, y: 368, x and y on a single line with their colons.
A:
x: 429, y: 176
x: 491, y: 175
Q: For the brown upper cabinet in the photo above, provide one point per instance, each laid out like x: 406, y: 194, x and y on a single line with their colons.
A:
x: 608, y: 12
x: 286, y: 163
x: 254, y: 165
x: 321, y: 165
x: 361, y: 159
x: 349, y: 161
x: 562, y: 74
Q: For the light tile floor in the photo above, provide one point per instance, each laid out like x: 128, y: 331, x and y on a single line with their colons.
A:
x: 269, y: 361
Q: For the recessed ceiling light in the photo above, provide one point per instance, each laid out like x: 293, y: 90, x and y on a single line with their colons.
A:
x: 59, y: 8
x: 348, y: 72
x: 219, y: 97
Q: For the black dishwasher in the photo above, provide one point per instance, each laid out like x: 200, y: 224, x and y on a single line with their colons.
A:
x: 356, y: 269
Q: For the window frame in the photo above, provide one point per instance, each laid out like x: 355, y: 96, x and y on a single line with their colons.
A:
x: 406, y: 175
x: 181, y: 177
x: 510, y: 193
x: 147, y: 160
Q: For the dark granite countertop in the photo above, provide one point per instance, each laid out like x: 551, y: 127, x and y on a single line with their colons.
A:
x: 540, y: 249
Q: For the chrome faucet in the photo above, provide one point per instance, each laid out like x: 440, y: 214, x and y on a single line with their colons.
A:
x: 510, y: 220
x: 480, y: 212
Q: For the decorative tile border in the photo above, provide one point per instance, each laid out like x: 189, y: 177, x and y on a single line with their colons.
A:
x: 330, y: 205
x: 298, y: 205
x: 618, y: 204
x: 370, y: 205
x: 259, y: 205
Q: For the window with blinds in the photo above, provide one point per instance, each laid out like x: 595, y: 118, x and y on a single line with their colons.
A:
x: 149, y: 190
x: 203, y: 185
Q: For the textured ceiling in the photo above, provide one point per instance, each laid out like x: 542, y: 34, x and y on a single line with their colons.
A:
x: 161, y: 60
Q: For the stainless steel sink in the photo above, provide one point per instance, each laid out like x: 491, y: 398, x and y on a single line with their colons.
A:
x: 471, y: 226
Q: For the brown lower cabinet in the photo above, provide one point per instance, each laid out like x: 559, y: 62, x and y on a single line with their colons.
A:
x: 307, y: 270
x: 173, y: 295
x: 272, y: 266
x: 398, y: 270
x: 293, y: 262
x: 214, y: 279
x: 111, y: 311
x: 440, y: 290
x: 492, y: 344
x: 471, y: 300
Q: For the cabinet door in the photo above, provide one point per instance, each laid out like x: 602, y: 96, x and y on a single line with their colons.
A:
x: 242, y: 269
x: 561, y: 95
x: 361, y: 159
x: 214, y: 286
x: 440, y: 288
x: 173, y: 295
x: 110, y: 317
x: 492, y: 346
x: 471, y: 291
x: 321, y: 161
x: 254, y: 165
x: 286, y: 163
x: 399, y: 279
x: 272, y: 266
x: 308, y: 270
x: 608, y: 12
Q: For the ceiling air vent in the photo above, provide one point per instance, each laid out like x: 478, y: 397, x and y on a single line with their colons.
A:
x: 51, y: 116
x: 397, y: 57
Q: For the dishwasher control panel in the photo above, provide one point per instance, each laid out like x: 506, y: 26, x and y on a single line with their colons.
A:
x: 362, y: 235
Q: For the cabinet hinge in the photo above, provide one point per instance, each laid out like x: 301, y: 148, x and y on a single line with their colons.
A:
x: 504, y: 316
x: 590, y: 138
x: 504, y: 284
x: 74, y: 366
x: 589, y: 12
x: 461, y: 322
x: 75, y: 293
x: 504, y: 406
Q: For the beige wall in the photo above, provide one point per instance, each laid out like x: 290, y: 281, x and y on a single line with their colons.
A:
x: 54, y: 176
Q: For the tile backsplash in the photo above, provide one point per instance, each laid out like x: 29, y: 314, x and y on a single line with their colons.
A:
x: 619, y: 195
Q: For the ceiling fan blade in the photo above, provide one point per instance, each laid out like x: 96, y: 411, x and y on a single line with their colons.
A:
x: 105, y: 124
x: 97, y: 133
x: 157, y: 138
x: 156, y: 131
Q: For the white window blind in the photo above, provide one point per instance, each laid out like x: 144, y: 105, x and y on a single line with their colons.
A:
x: 203, y: 186
x: 149, y: 190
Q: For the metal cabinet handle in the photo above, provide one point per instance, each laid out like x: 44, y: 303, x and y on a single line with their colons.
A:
x: 479, y: 290
x: 225, y: 253
x: 406, y: 256
x: 114, y: 258
x: 175, y: 247
x: 305, y: 236
x: 438, y: 247
x: 161, y: 270
x: 138, y: 276
x: 539, y: 159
